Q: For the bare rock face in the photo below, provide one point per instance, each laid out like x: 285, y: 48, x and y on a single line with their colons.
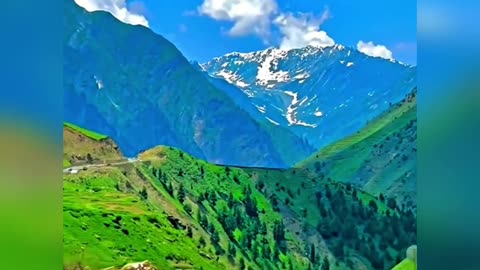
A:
x: 139, y: 266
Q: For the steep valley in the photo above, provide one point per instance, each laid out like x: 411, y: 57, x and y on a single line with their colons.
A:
x: 179, y: 212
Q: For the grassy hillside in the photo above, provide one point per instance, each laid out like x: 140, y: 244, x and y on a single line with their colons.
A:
x: 406, y: 264
x: 359, y: 230
x: 166, y: 212
x: 183, y: 213
x: 81, y: 146
x: 381, y: 158
x: 90, y: 134
x: 107, y: 223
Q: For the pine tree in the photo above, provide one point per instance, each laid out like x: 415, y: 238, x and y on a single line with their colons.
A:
x: 202, y: 220
x: 325, y: 264
x: 215, y: 238
x: 241, y: 264
x: 266, y: 250
x: 201, y: 241
x: 279, y: 234
x: 304, y: 212
x: 144, y: 193
x: 181, y: 193
x: 263, y: 229
x: 328, y: 192
x: 169, y: 188
x: 278, y: 231
x: 255, y: 251
x: 318, y: 196
x: 391, y: 203
x: 318, y: 166
x: 250, y: 204
x: 260, y: 185
x: 276, y: 252
x: 312, y: 253
x: 189, y: 232
x: 211, y: 228
x: 323, y: 211
x: 373, y: 205
x: 188, y: 208
x: 231, y: 250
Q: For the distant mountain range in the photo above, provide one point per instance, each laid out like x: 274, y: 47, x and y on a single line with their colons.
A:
x: 135, y: 86
x: 269, y: 108
x: 322, y: 95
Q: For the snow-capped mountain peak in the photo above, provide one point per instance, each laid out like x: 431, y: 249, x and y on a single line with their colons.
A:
x: 321, y: 93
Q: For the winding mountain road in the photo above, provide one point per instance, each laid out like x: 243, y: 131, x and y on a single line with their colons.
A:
x: 81, y: 167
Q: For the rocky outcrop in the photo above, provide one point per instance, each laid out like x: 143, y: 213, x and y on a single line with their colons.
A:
x: 139, y: 266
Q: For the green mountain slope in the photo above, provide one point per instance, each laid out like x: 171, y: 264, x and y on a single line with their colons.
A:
x: 135, y: 86
x: 88, y: 133
x: 379, y: 159
x: 406, y: 264
x: 179, y: 212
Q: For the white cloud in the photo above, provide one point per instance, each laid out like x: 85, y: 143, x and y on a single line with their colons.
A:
x: 118, y: 8
x: 302, y: 31
x: 296, y: 30
x: 256, y: 17
x: 371, y: 49
x: 248, y: 16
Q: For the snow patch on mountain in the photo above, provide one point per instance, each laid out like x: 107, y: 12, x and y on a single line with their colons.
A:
x: 248, y: 93
x: 265, y: 74
x: 302, y: 76
x: 261, y: 109
x: 227, y: 75
x: 98, y: 82
x: 231, y: 77
x: 280, y: 109
x: 292, y: 111
x: 241, y: 84
x: 273, y: 122
x: 202, y: 67
x: 303, y: 101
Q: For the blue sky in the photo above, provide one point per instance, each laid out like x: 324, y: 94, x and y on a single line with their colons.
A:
x: 203, y: 29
